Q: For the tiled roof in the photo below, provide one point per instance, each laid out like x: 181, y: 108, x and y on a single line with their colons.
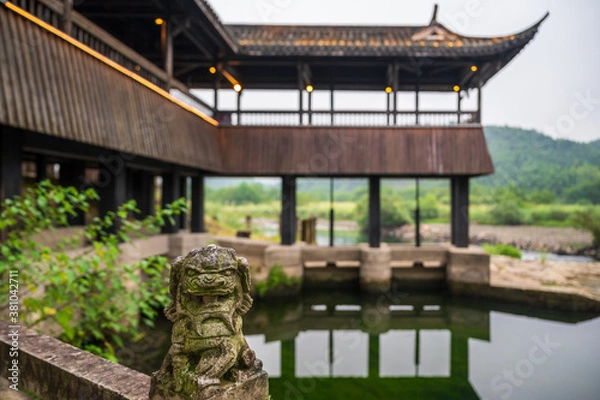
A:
x: 339, y: 41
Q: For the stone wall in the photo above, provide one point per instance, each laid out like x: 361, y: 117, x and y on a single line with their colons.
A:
x: 51, y: 369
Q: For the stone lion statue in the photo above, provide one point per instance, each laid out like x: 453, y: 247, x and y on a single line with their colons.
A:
x: 210, y: 291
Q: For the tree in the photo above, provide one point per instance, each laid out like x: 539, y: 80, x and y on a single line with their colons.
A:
x: 82, y: 295
x: 393, y: 212
x: 590, y: 221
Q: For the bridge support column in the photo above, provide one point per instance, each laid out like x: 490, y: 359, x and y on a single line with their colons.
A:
x: 41, y: 167
x: 142, y: 191
x: 198, y: 205
x: 113, y: 189
x: 374, y: 212
x: 72, y: 173
x: 11, y: 176
x: 183, y: 218
x: 171, y: 191
x: 288, y: 210
x: 460, y: 211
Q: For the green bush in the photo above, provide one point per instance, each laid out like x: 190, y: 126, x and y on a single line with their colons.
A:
x: 76, y: 291
x: 553, y: 214
x: 277, y: 279
x: 393, y: 212
x: 507, y: 213
x: 429, y: 208
x: 589, y: 220
x: 502, y: 250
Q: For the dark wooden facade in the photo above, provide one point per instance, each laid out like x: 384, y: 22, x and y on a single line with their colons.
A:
x: 84, y: 97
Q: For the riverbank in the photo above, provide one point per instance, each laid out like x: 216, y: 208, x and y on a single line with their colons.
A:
x: 554, y: 284
x: 569, y: 241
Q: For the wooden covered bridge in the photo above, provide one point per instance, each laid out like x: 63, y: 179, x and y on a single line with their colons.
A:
x: 105, y: 86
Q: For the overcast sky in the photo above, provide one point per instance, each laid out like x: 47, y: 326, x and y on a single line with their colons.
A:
x: 553, y: 86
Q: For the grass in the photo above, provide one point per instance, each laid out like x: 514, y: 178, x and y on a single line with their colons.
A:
x: 502, y: 250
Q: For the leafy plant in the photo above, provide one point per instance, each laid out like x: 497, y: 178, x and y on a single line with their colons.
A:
x: 393, y: 211
x: 589, y: 220
x: 277, y: 279
x: 85, y: 296
x: 502, y: 250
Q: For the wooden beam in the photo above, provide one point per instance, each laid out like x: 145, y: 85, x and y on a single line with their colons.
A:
x: 194, y: 40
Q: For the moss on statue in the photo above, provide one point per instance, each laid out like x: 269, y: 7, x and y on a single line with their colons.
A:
x: 209, y: 356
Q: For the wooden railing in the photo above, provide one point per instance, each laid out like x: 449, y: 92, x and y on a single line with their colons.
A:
x: 347, y: 118
x: 90, y: 34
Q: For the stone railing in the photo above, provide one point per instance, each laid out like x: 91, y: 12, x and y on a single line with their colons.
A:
x: 51, y: 369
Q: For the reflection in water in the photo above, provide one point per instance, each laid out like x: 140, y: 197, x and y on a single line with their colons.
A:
x: 341, y: 346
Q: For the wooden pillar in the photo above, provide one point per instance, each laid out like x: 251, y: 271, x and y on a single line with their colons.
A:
x: 479, y: 103
x: 11, y: 175
x: 113, y: 190
x: 183, y: 218
x: 72, y: 173
x: 216, y: 92
x: 67, y: 21
x: 418, y: 214
x: 395, y: 93
x: 374, y: 212
x: 331, y: 100
x: 417, y: 101
x: 459, y: 106
x: 288, y: 210
x: 166, y: 38
x: 460, y: 211
x: 300, y: 106
x: 331, y: 215
x: 310, y: 115
x: 41, y: 167
x: 171, y: 191
x: 197, y: 223
x: 142, y: 191
x: 239, y: 107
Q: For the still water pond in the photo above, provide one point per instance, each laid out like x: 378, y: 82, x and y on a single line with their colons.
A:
x: 412, y: 346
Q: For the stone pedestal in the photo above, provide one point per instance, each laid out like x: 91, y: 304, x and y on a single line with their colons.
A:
x: 375, y: 268
x: 468, y: 266
x: 255, y: 387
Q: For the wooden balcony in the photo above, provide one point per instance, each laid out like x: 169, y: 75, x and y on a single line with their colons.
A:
x: 348, y: 118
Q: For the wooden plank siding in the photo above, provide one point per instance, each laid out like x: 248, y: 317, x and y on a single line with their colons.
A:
x: 49, y: 86
x: 325, y: 151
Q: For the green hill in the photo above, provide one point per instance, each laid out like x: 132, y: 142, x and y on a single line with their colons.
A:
x: 532, y: 161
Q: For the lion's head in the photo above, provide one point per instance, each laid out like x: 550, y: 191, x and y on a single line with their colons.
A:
x: 207, y: 282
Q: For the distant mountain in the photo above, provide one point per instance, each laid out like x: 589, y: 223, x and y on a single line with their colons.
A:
x: 531, y: 160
